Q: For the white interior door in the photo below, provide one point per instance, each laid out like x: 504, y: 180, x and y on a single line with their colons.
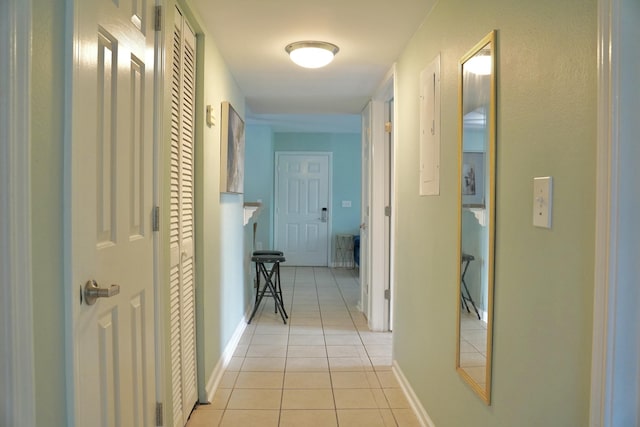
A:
x: 184, y: 387
x: 302, y: 207
x: 109, y: 196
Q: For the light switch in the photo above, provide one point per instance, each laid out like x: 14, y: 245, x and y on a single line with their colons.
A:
x: 542, y: 201
x: 211, y: 118
x: 346, y: 203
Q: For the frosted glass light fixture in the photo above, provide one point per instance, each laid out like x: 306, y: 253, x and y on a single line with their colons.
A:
x: 311, y: 54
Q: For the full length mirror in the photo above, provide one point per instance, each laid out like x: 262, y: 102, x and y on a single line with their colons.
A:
x: 477, y: 118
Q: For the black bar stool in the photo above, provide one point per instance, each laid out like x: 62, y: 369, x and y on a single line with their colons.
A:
x: 466, y: 259
x: 271, y: 277
x: 277, y: 272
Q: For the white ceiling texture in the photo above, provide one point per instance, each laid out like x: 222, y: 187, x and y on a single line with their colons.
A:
x: 252, y: 35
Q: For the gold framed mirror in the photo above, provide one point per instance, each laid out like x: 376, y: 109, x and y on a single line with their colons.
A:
x: 477, y: 172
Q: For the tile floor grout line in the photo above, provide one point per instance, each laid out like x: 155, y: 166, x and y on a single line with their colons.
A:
x: 351, y: 317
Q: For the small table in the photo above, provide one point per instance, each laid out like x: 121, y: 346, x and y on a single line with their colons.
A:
x: 466, y: 259
x: 271, y: 276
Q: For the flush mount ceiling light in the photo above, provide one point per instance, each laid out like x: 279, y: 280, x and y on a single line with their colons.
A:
x: 312, y: 54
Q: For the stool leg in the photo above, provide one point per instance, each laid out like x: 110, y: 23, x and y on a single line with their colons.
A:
x: 259, y: 293
x: 468, y: 298
x: 257, y: 281
x: 278, y: 300
x: 279, y: 288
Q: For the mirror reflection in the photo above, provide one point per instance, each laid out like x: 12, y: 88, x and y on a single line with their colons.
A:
x: 477, y: 177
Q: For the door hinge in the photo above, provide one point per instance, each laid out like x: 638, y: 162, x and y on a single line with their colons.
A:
x: 387, y: 211
x: 155, y: 219
x: 157, y: 18
x: 159, y: 417
x: 387, y: 294
x: 388, y: 127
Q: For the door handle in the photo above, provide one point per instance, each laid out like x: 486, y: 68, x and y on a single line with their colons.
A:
x: 92, y: 292
x: 323, y: 216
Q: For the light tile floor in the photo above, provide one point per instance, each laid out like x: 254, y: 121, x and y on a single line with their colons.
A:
x: 473, y: 346
x: 323, y: 368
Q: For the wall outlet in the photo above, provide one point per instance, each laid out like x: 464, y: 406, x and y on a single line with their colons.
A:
x: 346, y: 203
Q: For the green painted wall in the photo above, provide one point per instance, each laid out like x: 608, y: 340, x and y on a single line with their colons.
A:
x: 544, y: 278
x: 259, y: 166
x: 222, y: 293
x: 47, y: 139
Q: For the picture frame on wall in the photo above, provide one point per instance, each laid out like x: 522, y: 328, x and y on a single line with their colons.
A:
x: 231, y: 150
x: 473, y: 180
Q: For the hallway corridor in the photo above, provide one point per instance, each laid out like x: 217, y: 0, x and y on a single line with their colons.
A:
x: 324, y: 368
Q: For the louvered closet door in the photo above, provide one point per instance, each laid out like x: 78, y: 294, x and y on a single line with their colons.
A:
x: 181, y: 223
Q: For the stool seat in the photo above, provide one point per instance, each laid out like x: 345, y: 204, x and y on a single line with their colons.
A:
x: 271, y: 277
x: 268, y: 258
x: 268, y: 252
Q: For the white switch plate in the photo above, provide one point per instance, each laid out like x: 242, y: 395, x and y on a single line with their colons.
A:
x: 346, y: 203
x: 211, y: 118
x: 542, y: 201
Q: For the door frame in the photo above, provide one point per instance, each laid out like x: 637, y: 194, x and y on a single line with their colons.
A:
x: 159, y: 259
x: 17, y: 378
x: 276, y: 214
x: 365, y: 220
x: 380, y: 311
x: 611, y: 338
x: 389, y: 152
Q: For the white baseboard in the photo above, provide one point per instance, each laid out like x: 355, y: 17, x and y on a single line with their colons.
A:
x: 415, y: 403
x: 225, y: 358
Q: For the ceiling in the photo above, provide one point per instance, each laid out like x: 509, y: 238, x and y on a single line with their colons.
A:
x: 252, y: 34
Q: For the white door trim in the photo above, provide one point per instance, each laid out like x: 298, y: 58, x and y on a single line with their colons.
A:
x: 159, y: 240
x: 606, y: 140
x: 611, y: 290
x: 17, y: 376
x: 379, y: 317
x: 329, y: 196
x: 365, y: 219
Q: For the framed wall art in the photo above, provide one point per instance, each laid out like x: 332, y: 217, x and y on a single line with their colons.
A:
x: 231, y: 151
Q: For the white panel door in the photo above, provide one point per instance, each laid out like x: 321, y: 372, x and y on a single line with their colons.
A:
x: 109, y: 195
x: 302, y: 208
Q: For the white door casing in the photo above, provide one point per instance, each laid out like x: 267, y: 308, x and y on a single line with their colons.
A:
x: 108, y: 194
x: 380, y: 231
x: 388, y: 201
x: 615, y: 378
x: 17, y: 384
x: 303, y: 187
x: 377, y: 220
x: 364, y: 213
